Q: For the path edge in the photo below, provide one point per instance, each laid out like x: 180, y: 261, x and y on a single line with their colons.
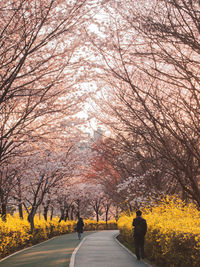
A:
x: 26, y: 249
x: 72, y: 259
x: 130, y: 252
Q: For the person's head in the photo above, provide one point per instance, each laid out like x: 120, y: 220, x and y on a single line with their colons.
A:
x: 138, y: 213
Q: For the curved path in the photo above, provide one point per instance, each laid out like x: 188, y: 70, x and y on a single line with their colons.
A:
x: 102, y: 249
x: 97, y: 249
x: 55, y: 252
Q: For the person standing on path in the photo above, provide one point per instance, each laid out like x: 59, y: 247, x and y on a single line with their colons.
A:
x: 79, y: 227
x: 140, y: 229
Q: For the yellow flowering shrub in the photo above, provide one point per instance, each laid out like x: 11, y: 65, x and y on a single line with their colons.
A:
x: 173, y: 236
x: 101, y: 225
x: 15, y: 233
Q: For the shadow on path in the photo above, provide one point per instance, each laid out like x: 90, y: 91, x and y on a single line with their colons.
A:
x: 54, y: 252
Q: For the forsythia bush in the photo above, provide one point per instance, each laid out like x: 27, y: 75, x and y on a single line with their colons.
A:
x: 15, y: 233
x: 101, y: 225
x: 173, y: 236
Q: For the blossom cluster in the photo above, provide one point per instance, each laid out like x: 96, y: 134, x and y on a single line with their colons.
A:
x: 173, y: 231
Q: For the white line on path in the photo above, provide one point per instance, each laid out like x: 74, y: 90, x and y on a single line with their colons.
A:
x: 72, y: 260
x: 130, y: 252
x: 123, y: 246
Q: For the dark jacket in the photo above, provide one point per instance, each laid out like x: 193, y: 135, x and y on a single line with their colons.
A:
x: 140, y: 226
x: 79, y: 226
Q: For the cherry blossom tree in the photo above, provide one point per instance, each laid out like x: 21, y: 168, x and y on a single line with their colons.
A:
x: 45, y: 169
x: 150, y: 65
x: 38, y: 46
x: 40, y: 59
x: 7, y: 183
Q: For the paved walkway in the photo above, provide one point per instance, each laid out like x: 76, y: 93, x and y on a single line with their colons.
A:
x: 97, y: 249
x: 55, y: 252
x: 101, y: 249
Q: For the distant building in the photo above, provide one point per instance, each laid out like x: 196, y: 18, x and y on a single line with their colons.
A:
x: 86, y: 143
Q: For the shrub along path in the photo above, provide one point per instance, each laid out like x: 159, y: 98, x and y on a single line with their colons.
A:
x: 53, y: 252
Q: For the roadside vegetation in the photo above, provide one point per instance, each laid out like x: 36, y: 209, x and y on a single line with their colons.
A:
x: 15, y: 233
x: 173, y: 236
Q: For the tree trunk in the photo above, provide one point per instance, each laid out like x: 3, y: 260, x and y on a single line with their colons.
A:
x: 3, y: 211
x: 45, y: 212
x: 107, y: 210
x: 97, y: 216
x: 20, y: 211
x: 61, y: 215
x: 78, y: 214
x: 31, y: 221
x: 78, y: 209
x: 31, y: 217
x: 117, y: 214
x: 51, y: 217
x: 66, y: 214
x: 72, y: 213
